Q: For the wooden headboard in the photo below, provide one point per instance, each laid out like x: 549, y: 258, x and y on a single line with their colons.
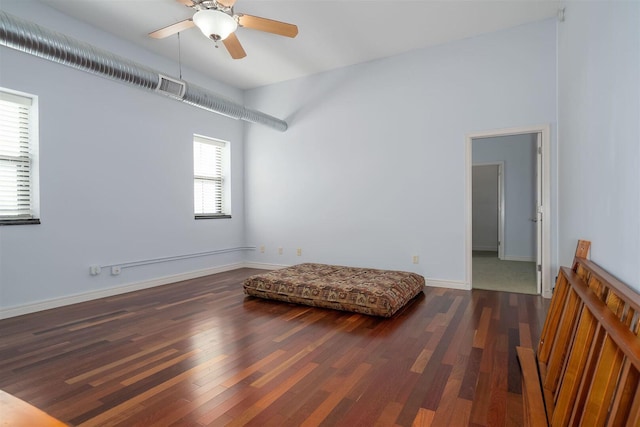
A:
x: 588, y: 357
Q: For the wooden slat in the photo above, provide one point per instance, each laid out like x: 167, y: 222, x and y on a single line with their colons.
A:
x: 621, y: 289
x: 535, y: 414
x: 564, y: 338
x: 624, y: 396
x: 550, y: 328
x: 602, y: 384
x: 574, y: 372
x: 623, y: 337
x: 634, y: 414
x: 582, y: 250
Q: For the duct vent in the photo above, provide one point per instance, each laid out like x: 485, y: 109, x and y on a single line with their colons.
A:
x: 171, y: 87
x: 30, y: 38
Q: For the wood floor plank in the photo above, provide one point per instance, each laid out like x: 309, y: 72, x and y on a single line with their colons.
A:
x: 423, y: 418
x: 199, y: 352
x: 16, y: 412
x: 421, y: 361
x: 239, y: 376
x: 446, y: 406
x: 480, y: 408
x: 389, y: 414
x: 461, y: 413
x: 498, y: 390
x: 470, y: 380
x: 270, y: 397
x: 515, y: 417
x: 113, y: 413
x: 483, y: 328
x: 462, y: 340
x: 158, y: 368
x: 335, y: 396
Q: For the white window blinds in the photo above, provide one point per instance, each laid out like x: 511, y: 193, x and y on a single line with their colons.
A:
x: 208, y: 173
x: 15, y: 157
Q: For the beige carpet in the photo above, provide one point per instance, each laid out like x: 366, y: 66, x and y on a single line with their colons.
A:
x: 508, y: 276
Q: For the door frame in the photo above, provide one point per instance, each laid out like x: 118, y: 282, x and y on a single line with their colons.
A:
x: 501, y: 204
x: 545, y: 209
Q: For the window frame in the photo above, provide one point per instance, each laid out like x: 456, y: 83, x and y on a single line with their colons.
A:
x: 33, y: 217
x: 223, y: 178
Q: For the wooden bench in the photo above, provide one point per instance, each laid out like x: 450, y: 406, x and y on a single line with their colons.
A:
x: 586, y: 371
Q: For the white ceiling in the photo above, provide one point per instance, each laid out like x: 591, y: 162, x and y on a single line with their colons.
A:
x: 332, y: 34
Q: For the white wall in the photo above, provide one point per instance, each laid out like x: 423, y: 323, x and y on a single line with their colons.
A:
x: 115, y: 176
x: 599, y: 134
x: 372, y: 168
x: 518, y: 154
x: 371, y: 171
x: 484, y: 198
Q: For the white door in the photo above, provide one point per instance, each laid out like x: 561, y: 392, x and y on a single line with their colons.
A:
x: 538, y: 213
x: 501, y: 210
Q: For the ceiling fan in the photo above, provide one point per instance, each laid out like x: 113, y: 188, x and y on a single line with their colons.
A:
x: 217, y: 21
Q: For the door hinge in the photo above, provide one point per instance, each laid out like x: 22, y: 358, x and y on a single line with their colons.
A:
x: 539, y: 267
x: 539, y: 150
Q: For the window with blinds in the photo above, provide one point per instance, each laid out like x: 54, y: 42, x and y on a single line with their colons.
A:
x: 18, y: 147
x: 209, y: 186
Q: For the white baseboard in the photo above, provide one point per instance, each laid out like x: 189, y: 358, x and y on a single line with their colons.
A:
x: 88, y: 296
x: 519, y: 258
x: 485, y: 248
x: 263, y: 266
x: 103, y: 293
x: 451, y: 284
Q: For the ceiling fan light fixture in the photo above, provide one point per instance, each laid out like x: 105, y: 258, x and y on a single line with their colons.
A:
x: 215, y: 24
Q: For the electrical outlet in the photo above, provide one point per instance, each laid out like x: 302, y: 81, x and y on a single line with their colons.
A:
x: 416, y: 259
x: 115, y: 270
x: 279, y: 251
x: 262, y: 249
x: 299, y: 252
x: 94, y: 270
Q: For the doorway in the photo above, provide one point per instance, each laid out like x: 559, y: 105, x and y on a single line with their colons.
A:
x: 487, y: 205
x: 515, y: 244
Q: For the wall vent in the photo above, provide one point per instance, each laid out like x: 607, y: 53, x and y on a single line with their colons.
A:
x: 171, y: 87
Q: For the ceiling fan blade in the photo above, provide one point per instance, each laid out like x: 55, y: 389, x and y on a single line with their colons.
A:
x: 227, y: 3
x: 268, y: 25
x: 186, y: 2
x: 234, y: 47
x: 172, y: 29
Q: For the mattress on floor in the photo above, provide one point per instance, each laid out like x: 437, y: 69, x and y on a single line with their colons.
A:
x: 360, y: 290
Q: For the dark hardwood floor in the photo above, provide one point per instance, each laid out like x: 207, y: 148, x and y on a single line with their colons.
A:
x: 199, y: 352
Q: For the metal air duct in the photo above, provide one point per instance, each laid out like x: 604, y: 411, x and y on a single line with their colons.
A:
x: 30, y: 38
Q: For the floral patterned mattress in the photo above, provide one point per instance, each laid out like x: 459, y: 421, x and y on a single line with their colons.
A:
x: 361, y: 290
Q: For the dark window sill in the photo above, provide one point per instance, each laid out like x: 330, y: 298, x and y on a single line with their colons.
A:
x: 212, y: 216
x: 19, y: 221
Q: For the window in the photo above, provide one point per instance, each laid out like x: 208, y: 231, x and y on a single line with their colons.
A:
x: 18, y: 158
x: 210, y: 187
